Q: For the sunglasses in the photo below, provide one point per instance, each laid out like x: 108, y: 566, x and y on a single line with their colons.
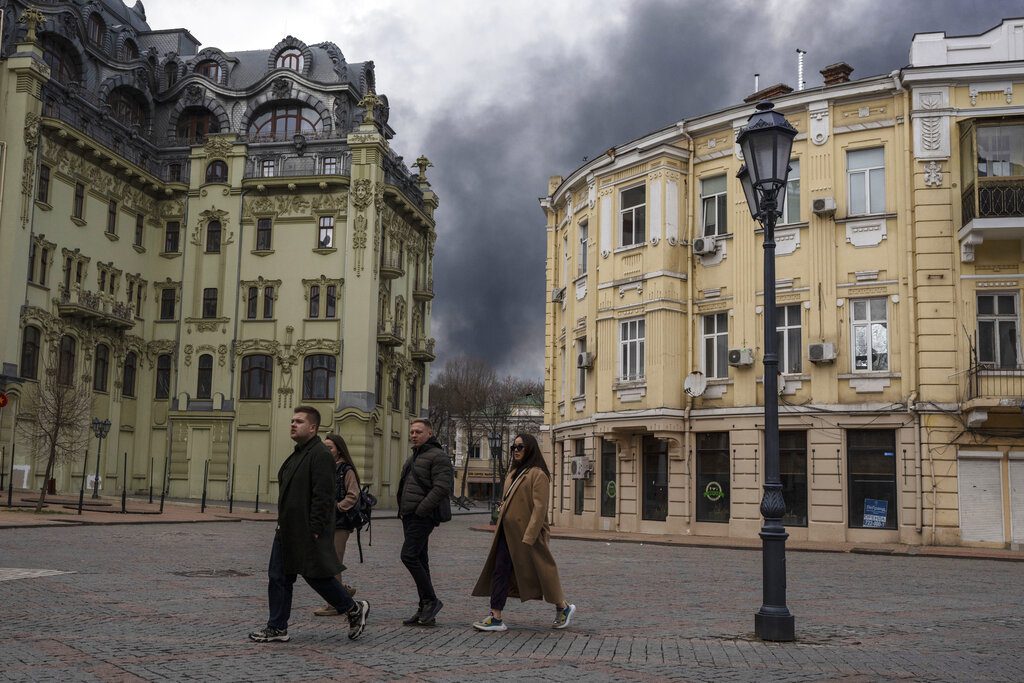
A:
x: 518, y: 447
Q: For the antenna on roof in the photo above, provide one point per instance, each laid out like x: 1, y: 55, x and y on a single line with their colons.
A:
x: 800, y: 68
x: 757, y: 80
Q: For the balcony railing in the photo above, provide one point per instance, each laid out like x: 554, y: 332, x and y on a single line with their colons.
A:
x: 395, y: 173
x: 993, y: 198
x: 422, y: 349
x: 296, y: 167
x: 986, y: 380
x: 423, y: 291
x: 390, y: 334
x: 100, y: 309
x: 391, y: 267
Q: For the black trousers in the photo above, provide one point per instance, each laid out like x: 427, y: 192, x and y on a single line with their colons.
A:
x: 280, y: 587
x: 414, y: 553
x: 501, y: 579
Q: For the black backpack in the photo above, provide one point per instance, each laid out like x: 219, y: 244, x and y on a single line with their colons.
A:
x: 360, y: 515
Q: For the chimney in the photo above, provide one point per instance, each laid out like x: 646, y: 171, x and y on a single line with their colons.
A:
x: 769, y: 93
x: 837, y: 73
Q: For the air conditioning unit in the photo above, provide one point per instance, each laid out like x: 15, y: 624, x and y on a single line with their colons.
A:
x: 824, y: 206
x: 557, y: 294
x: 741, y: 357
x: 824, y: 352
x: 582, y: 467
x: 704, y: 245
x: 585, y: 360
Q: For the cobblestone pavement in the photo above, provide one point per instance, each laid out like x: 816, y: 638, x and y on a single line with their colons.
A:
x: 174, y: 602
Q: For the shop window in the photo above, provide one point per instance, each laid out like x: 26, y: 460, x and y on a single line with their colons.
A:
x: 712, y: 483
x: 655, y: 479
x: 608, y: 479
x: 579, y: 484
x: 793, y: 473
x: 871, y: 472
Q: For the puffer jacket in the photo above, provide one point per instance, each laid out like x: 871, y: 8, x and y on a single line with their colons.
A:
x: 433, y: 467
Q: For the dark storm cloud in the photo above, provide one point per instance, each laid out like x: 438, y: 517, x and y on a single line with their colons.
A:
x: 668, y: 61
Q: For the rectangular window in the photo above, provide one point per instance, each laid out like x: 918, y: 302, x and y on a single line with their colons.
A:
x: 43, y: 191
x: 140, y: 221
x: 712, y: 477
x: 210, y: 302
x: 1001, y: 151
x: 331, y: 303
x: 268, y: 168
x: 396, y: 392
x: 32, y: 262
x: 252, y: 302
x: 870, y: 335
x: 172, y: 233
x: 655, y: 474
x: 713, y: 206
x: 633, y: 215
x: 791, y: 197
x: 314, y: 301
x: 413, y: 406
x: 67, y: 273
x: 78, y: 208
x: 44, y: 265
x: 581, y: 260
x: 330, y: 165
x: 715, y: 335
x: 578, y: 484
x: 79, y: 272
x: 325, y: 238
x: 103, y: 279
x: 474, y: 452
x: 631, y: 344
x: 263, y: 226
x: 608, y: 482
x: 871, y: 462
x: 787, y: 326
x: 793, y: 472
x: 112, y: 217
x: 174, y: 173
x: 167, y: 303
x: 865, y: 170
x: 268, y: 303
x: 998, y: 339
x: 138, y: 299
x: 581, y: 372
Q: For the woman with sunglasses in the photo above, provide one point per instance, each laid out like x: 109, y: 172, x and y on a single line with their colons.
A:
x: 520, y: 563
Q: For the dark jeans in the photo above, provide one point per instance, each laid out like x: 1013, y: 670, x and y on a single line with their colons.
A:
x: 501, y: 579
x: 280, y: 590
x: 414, y: 553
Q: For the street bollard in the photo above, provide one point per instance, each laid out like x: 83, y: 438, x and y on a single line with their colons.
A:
x: 3, y: 461
x: 124, y: 485
x: 163, y: 489
x: 81, y: 488
x: 10, y: 480
x: 206, y: 475
x: 231, y: 491
x: 257, y: 488
x: 150, y: 480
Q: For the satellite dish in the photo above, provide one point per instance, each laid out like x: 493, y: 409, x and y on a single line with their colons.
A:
x: 695, y: 384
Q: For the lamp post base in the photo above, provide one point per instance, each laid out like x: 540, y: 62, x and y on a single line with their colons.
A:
x: 775, y: 626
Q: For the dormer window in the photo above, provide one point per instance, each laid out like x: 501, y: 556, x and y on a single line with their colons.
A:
x: 126, y: 107
x: 171, y: 74
x: 97, y: 29
x: 210, y: 69
x: 290, y: 59
x: 129, y: 51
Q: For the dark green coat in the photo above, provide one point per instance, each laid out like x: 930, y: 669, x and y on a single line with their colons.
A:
x: 305, y: 506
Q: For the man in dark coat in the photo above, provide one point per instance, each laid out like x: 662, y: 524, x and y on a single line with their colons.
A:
x: 304, y: 539
x: 427, y: 479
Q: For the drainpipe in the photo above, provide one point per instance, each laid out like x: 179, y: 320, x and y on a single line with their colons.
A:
x: 687, y: 421
x: 232, y: 432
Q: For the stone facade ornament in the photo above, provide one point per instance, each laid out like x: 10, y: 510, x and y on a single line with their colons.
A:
x: 933, y: 174
x: 931, y: 123
x: 193, y: 94
x: 218, y: 147
x: 28, y: 171
x: 281, y: 87
x: 820, y: 122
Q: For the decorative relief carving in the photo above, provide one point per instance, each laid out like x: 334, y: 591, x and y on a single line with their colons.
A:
x: 868, y: 233
x: 820, y: 123
x: 218, y: 147
x: 933, y: 174
x: 29, y: 166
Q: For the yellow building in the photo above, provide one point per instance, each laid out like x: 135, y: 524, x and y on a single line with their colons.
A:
x: 899, y: 273
x: 208, y: 239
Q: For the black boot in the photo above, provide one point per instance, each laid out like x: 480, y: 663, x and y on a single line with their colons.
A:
x: 415, y: 619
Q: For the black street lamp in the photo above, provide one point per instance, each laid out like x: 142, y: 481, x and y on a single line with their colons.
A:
x: 766, y: 142
x: 495, y: 441
x: 100, y: 429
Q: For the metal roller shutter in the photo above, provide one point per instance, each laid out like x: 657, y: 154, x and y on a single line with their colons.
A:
x: 981, y: 500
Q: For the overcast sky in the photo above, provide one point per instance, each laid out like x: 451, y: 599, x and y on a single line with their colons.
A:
x: 502, y: 95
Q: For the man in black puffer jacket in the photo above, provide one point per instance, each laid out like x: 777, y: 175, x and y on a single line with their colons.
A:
x: 427, y: 479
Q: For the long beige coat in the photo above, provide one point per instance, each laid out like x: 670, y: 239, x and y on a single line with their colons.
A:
x: 524, y: 520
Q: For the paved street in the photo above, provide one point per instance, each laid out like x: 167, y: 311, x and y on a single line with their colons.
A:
x: 174, y: 602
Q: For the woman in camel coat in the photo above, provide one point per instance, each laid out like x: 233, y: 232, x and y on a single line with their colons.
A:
x: 520, y: 563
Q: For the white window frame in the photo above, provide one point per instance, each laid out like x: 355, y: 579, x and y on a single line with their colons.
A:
x: 633, y: 211
x: 783, y: 326
x: 632, y: 343
x: 268, y: 168
x: 863, y: 175
x: 719, y: 340
x: 998, y: 319
x: 720, y: 201
x: 581, y: 263
x: 581, y: 373
x: 869, y: 322
x: 791, y: 211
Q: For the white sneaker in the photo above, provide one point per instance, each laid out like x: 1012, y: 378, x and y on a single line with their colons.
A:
x: 490, y: 624
x: 564, y: 617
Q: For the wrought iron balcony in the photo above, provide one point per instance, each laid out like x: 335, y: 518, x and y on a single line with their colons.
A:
x: 422, y: 349
x: 99, y: 309
x: 993, y: 198
x: 294, y: 166
x: 390, y: 334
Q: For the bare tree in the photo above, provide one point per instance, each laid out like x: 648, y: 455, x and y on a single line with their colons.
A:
x: 56, y: 423
x: 509, y: 409
x: 467, y: 384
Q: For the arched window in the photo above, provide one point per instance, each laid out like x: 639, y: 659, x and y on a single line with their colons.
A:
x: 171, y: 73
x: 97, y: 29
x: 131, y: 362
x: 257, y: 377
x: 290, y: 59
x: 101, y: 367
x: 66, y: 360
x: 129, y: 50
x: 30, y: 353
x: 213, y: 232
x: 204, y: 385
x: 127, y: 107
x: 284, y: 121
x: 211, y: 69
x: 318, y: 378
x: 195, y: 124
x: 163, y: 376
x: 61, y: 59
x: 217, y: 172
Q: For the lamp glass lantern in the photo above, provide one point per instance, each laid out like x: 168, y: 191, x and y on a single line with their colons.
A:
x: 495, y: 441
x: 766, y: 142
